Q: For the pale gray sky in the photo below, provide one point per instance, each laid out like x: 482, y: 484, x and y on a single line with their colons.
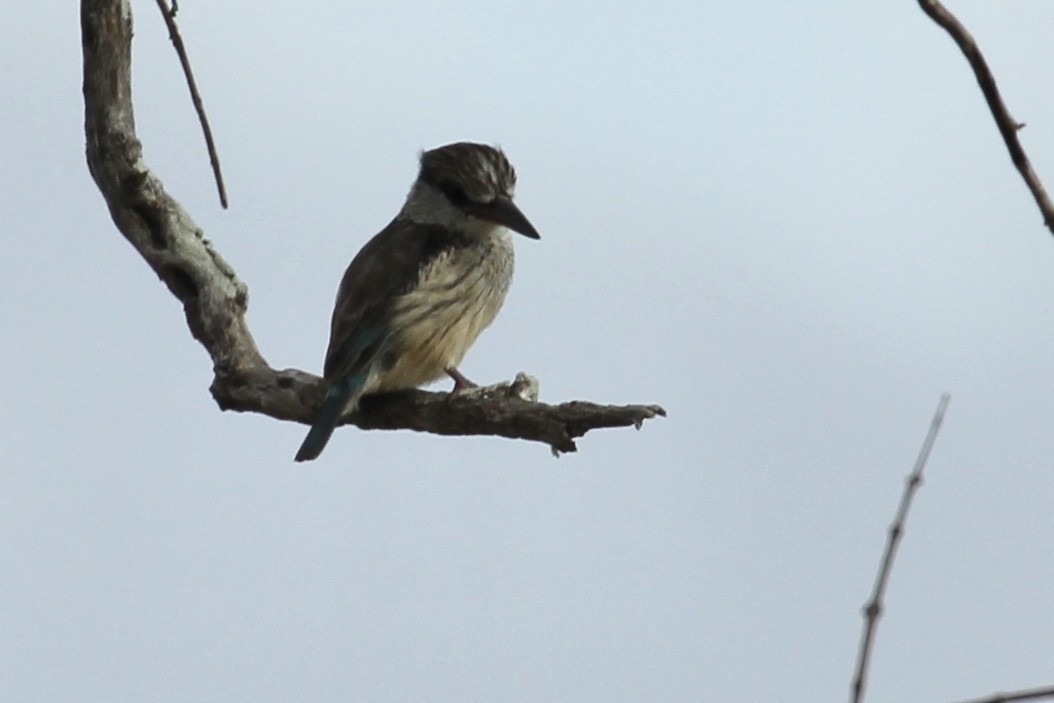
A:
x: 794, y: 225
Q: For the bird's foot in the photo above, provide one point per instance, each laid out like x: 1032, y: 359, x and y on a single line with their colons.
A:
x: 523, y: 387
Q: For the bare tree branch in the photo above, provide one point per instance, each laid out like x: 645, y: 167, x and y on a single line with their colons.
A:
x: 1031, y: 694
x: 177, y: 41
x: 873, y: 609
x: 1007, y: 125
x: 215, y: 300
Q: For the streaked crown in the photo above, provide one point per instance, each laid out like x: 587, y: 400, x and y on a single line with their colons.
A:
x: 466, y: 172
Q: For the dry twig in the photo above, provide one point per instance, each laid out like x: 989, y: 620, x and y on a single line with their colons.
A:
x: 1031, y: 694
x: 177, y: 41
x: 215, y: 300
x: 873, y: 609
x: 1007, y: 125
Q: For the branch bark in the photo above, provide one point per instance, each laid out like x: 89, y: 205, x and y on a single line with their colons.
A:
x: 215, y: 299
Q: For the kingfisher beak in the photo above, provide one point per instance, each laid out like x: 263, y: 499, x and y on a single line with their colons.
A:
x: 503, y: 211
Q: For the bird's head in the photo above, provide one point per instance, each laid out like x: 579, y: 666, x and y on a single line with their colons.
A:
x: 477, y: 180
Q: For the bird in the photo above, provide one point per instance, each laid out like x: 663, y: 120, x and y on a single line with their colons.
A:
x: 418, y: 294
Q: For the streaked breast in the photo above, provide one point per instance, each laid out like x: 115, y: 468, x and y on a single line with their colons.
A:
x: 458, y: 295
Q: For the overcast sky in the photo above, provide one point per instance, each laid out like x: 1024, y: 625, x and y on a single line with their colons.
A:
x: 792, y: 224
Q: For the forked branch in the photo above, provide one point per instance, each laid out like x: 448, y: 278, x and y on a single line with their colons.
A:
x: 215, y: 300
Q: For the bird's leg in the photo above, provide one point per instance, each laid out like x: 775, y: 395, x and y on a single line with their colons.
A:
x: 460, y: 382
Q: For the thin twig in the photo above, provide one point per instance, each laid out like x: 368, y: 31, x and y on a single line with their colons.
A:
x: 173, y: 33
x: 1030, y: 694
x: 873, y: 609
x: 1007, y: 125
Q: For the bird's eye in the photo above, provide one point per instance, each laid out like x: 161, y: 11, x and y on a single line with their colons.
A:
x: 455, y: 194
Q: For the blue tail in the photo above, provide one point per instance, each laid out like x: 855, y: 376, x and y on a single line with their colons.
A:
x: 337, y: 398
